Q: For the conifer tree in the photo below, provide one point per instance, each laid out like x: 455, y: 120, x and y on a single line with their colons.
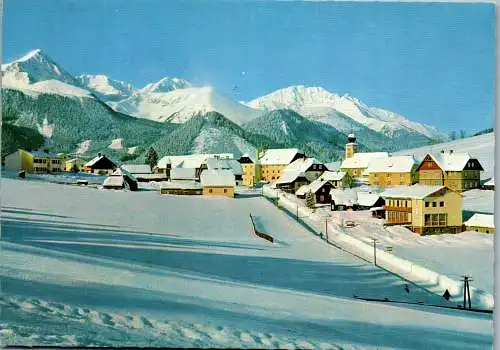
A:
x: 310, y: 200
x: 152, y: 158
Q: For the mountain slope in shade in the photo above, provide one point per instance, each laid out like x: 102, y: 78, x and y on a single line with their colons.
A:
x: 324, y: 106
x: 211, y: 133
x: 106, y: 88
x: 180, y: 105
x: 316, y: 139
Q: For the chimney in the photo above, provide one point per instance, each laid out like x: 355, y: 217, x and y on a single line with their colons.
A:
x: 99, y: 154
x: 451, y: 151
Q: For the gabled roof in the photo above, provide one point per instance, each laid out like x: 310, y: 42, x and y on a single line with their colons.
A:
x: 227, y: 164
x: 417, y: 191
x: 333, y: 166
x: 333, y: 175
x: 217, y: 178
x: 302, y: 164
x: 481, y: 220
x: 348, y: 197
x: 183, y: 174
x: 316, y: 185
x: 190, y: 160
x: 367, y: 199
x: 278, y: 156
x: 392, y: 164
x: 449, y: 161
x: 96, y: 160
x: 361, y: 160
x: 289, y: 176
x: 137, y: 168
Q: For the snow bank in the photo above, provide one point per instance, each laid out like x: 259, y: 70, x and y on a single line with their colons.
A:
x: 426, y: 278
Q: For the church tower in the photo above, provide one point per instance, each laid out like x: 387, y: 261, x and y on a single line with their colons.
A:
x: 351, y: 146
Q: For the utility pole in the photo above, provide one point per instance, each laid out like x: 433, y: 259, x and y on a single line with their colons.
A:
x: 297, y: 214
x: 375, y: 241
x: 326, y: 229
x: 466, y: 279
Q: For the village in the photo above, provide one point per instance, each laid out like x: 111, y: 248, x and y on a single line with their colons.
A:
x: 423, y: 195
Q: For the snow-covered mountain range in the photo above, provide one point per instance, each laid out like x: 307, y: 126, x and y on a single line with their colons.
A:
x: 324, y: 106
x: 176, y: 101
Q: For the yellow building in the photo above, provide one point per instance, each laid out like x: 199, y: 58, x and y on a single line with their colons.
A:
x: 274, y: 161
x: 251, y: 170
x: 217, y: 182
x: 37, y: 161
x: 424, y: 209
x: 458, y: 171
x: 356, y: 164
x: 392, y: 171
x: 75, y: 162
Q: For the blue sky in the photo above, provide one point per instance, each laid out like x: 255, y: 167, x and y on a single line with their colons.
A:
x: 432, y: 63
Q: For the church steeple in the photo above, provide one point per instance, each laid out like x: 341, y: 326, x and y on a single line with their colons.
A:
x: 351, y: 146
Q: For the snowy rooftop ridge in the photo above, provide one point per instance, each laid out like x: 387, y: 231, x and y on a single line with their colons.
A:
x: 362, y: 160
x: 417, y: 191
x: 392, y: 164
x: 451, y: 161
x: 190, y: 160
x: 279, y: 156
x: 302, y: 164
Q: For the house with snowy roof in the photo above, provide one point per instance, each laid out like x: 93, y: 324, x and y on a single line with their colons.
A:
x: 322, y: 186
x: 35, y: 161
x: 300, y: 172
x: 218, y: 182
x: 181, y: 187
x: 121, y: 179
x: 490, y: 184
x: 481, y: 223
x: 227, y: 164
x: 356, y: 164
x: 392, y: 170
x: 251, y: 169
x: 458, y: 171
x: 143, y: 173
x: 425, y: 209
x: 291, y: 180
x: 274, y: 161
x: 100, y: 165
x: 195, y: 161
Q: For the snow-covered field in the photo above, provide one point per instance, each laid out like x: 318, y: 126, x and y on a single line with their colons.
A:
x: 83, y: 266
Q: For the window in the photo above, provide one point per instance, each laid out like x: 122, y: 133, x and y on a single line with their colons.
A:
x: 225, y: 190
x: 441, y: 204
x: 427, y: 204
x: 210, y: 190
x: 433, y: 204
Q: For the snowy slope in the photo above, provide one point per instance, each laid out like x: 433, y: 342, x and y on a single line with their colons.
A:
x: 481, y: 147
x: 106, y: 88
x: 102, y: 275
x: 179, y: 105
x: 324, y: 106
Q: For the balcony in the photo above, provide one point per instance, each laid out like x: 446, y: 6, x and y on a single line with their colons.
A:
x: 402, y: 209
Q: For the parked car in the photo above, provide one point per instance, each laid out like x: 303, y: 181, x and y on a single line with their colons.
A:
x: 349, y: 223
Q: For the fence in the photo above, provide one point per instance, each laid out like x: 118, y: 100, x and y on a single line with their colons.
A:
x: 421, y: 276
x: 260, y: 234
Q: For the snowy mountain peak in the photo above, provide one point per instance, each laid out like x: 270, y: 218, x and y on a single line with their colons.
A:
x: 166, y: 84
x: 36, y: 66
x: 319, y: 104
x: 105, y: 88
